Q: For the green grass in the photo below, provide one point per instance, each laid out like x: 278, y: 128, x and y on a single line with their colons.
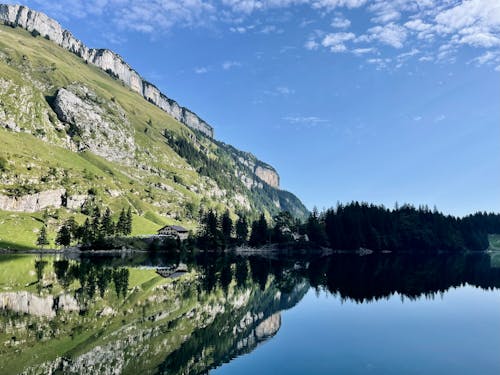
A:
x: 34, y: 69
x: 18, y: 230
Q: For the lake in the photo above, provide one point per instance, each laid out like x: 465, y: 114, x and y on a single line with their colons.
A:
x: 344, y: 313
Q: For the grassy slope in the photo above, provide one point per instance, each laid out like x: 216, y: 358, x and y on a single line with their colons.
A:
x: 35, y: 68
x: 56, y: 68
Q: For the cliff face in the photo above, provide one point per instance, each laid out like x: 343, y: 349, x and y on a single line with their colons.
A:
x: 73, y: 136
x: 36, y: 22
x: 268, y: 175
x: 95, y: 124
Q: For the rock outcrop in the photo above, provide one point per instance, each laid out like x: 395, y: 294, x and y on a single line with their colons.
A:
x: 55, y: 198
x: 112, y: 63
x: 95, y: 124
x: 33, y: 202
x: 268, y: 175
x: 268, y: 327
x: 28, y: 303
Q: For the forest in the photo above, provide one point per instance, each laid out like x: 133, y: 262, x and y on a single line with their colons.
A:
x: 356, y: 226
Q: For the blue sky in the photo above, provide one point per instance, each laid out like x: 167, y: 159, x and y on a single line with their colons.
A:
x: 379, y: 101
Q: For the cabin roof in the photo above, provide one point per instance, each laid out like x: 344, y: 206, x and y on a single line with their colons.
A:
x: 177, y: 228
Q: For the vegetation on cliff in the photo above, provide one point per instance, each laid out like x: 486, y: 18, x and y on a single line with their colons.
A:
x: 165, y: 179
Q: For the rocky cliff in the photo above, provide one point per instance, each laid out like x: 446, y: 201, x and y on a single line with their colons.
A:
x: 39, y: 201
x: 73, y: 137
x: 112, y: 63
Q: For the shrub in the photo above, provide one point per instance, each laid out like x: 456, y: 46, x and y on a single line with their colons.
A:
x: 3, y: 164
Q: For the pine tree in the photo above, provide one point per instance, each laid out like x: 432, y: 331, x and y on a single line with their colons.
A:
x: 64, y: 236
x: 96, y: 229
x: 259, y: 235
x: 107, y: 227
x: 242, y: 230
x: 42, y: 239
x: 227, y: 227
x: 73, y: 227
x: 121, y: 225
x: 87, y: 234
x: 128, y: 222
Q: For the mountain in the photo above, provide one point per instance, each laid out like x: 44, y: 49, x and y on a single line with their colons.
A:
x: 79, y: 128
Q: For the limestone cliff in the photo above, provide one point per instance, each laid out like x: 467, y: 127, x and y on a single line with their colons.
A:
x: 37, y: 22
x: 36, y: 202
x: 74, y: 136
x: 99, y: 126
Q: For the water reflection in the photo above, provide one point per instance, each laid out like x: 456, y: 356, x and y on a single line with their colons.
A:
x: 117, y: 315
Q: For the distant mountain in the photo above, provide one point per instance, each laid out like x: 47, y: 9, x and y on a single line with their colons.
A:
x: 79, y: 127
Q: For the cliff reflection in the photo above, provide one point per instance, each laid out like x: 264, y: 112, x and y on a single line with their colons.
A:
x: 108, y: 315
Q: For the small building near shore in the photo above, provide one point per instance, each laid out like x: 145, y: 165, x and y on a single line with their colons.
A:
x: 174, y: 231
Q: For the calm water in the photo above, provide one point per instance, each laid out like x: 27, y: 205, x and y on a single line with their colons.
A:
x: 345, y: 314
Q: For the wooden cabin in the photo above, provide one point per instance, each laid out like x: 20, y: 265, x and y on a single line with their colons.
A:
x: 174, y: 231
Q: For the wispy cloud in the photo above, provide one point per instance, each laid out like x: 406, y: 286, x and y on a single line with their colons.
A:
x: 438, y: 28
x: 305, y: 121
x: 201, y: 70
x: 340, y: 22
x: 226, y: 65
x: 440, y: 118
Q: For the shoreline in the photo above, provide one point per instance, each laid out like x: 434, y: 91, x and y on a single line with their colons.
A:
x: 243, y: 250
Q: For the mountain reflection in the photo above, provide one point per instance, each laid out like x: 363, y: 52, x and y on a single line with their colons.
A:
x: 115, y: 315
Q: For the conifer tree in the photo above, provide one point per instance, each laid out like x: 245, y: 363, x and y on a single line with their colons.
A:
x: 87, y: 234
x: 73, y: 226
x: 121, y: 225
x: 242, y: 230
x: 259, y: 235
x: 128, y: 222
x: 42, y: 239
x: 107, y: 227
x: 64, y: 236
x: 227, y: 227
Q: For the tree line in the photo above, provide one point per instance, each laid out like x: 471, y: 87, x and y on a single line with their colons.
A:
x: 96, y: 228
x: 218, y: 232
x: 362, y: 225
x: 355, y: 226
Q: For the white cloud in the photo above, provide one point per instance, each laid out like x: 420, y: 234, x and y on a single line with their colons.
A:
x: 201, y: 70
x: 417, y: 25
x: 411, y: 53
x: 426, y: 58
x: 340, y: 23
x: 480, y: 39
x: 471, y: 12
x: 271, y: 29
x: 440, y: 118
x: 226, y: 65
x: 385, y: 11
x: 238, y: 29
x: 422, y: 24
x: 305, y: 121
x: 280, y: 91
x: 390, y: 34
x: 283, y: 90
x: 472, y: 22
x: 311, y: 45
x: 335, y: 41
x: 380, y: 63
x: 363, y: 51
x: 333, y: 4
x: 488, y: 57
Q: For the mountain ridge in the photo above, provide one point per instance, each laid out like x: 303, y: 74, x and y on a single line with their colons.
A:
x: 74, y: 136
x: 109, y: 61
